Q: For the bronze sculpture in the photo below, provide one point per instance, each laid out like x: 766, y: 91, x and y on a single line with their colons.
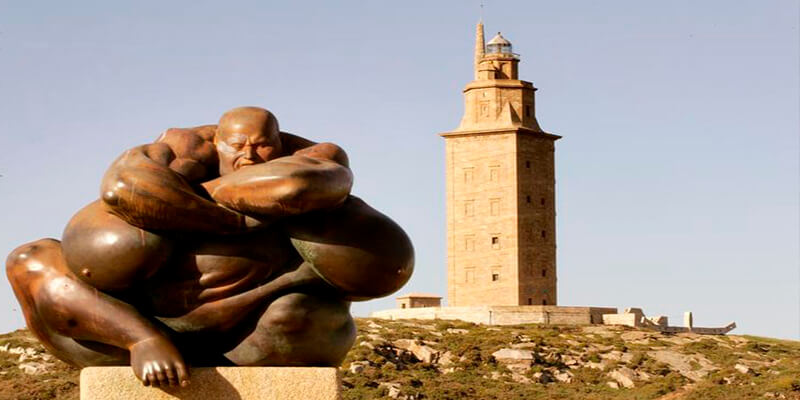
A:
x: 228, y: 244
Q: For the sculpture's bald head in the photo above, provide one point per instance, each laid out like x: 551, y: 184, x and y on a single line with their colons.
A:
x: 246, y: 136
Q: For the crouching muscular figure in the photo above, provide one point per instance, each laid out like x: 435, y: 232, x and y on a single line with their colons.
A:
x: 228, y: 244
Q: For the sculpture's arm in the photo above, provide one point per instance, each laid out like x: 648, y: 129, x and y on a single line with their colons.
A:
x: 284, y: 186
x: 145, y: 189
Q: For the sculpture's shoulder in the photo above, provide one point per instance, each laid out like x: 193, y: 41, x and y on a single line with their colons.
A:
x: 293, y: 144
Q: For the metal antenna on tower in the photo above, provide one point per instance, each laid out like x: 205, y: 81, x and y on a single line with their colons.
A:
x: 481, y: 15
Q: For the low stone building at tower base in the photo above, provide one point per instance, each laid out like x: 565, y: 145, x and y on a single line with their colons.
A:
x: 504, y: 315
x: 551, y: 315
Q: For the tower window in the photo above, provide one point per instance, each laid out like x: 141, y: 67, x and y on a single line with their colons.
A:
x: 530, y: 301
x: 528, y: 199
x: 469, y: 243
x: 544, y: 234
x: 527, y: 111
x: 468, y: 175
x: 469, y: 208
x: 495, y: 277
x: 469, y: 275
x: 541, y: 201
x: 544, y: 302
x: 495, y: 242
x: 494, y: 206
x: 544, y: 272
x: 494, y: 173
x: 527, y: 164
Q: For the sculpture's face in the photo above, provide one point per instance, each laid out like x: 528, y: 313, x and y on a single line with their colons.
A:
x: 246, y: 136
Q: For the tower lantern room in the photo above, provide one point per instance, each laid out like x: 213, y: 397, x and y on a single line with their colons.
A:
x: 499, y: 45
x: 497, y: 60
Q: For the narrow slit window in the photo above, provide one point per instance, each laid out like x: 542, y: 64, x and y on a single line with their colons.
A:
x: 495, y: 277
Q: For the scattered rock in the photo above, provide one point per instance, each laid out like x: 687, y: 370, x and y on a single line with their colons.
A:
x: 603, y: 331
x: 375, y: 338
x: 624, y: 376
x: 33, y: 368
x: 597, y: 365
x: 513, y: 355
x: 519, y: 378
x: 613, y: 385
x: 683, y: 363
x: 357, y: 367
x: 635, y: 335
x: 679, y: 340
x: 422, y: 352
x: 367, y: 345
x: 393, y: 389
x: 514, y: 359
x: 446, y: 359
x: 617, y: 355
x: 744, y: 369
x: 563, y: 376
x: 457, y: 331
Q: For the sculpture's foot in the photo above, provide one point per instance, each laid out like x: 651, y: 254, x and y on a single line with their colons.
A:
x: 155, y: 361
x: 298, y: 329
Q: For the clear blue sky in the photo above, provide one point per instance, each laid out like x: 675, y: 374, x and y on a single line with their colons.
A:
x: 677, y: 174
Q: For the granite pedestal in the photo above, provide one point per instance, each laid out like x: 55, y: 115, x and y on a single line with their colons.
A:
x: 220, y: 383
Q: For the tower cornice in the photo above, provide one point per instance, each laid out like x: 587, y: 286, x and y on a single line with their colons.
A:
x: 500, y: 131
x: 499, y: 83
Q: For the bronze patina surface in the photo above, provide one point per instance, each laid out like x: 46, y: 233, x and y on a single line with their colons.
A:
x: 228, y: 244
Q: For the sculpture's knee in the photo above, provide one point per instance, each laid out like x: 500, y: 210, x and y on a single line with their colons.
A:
x: 108, y: 253
x: 302, y: 313
x: 31, y: 260
x: 287, y: 314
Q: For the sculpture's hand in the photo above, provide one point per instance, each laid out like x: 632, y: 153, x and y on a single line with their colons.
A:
x: 156, y: 362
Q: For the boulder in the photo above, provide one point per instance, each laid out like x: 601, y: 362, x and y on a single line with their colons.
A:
x: 624, y: 376
x: 422, y: 352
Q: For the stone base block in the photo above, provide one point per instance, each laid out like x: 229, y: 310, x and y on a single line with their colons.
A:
x: 220, y: 383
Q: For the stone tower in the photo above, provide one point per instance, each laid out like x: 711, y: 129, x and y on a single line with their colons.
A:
x: 501, y: 239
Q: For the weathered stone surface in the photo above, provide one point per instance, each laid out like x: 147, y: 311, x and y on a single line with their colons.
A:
x: 683, y: 363
x: 563, y: 376
x: 512, y: 355
x: 744, y: 369
x: 220, y: 383
x: 422, y: 352
x: 625, y: 376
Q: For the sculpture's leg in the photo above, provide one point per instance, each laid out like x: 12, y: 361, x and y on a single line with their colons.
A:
x: 299, y: 329
x: 355, y: 248
x: 63, y: 312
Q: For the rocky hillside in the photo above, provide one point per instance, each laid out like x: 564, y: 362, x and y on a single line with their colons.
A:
x: 454, y: 360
